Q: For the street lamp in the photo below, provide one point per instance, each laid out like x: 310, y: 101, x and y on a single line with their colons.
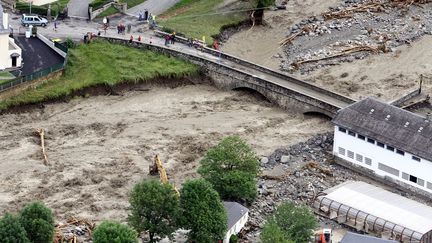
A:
x: 30, y: 2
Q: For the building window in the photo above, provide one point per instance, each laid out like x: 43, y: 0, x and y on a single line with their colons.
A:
x: 351, y: 133
x: 350, y: 154
x: 342, y: 151
x: 429, y: 185
x: 359, y: 158
x: 413, y: 178
x: 405, y: 176
x: 341, y: 129
x: 400, y: 152
x: 388, y: 169
x: 380, y: 144
x: 370, y: 140
x: 360, y: 137
x: 420, y: 182
x: 416, y: 158
x: 390, y: 148
x: 368, y: 161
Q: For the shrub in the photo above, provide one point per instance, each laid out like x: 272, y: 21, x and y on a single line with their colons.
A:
x: 11, y: 230
x: 38, y: 222
x: 114, y: 232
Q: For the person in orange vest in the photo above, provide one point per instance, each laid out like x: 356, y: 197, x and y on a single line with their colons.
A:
x: 139, y: 38
x: 131, y: 39
x: 215, y: 44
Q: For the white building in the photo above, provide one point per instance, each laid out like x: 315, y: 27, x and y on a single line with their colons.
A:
x: 39, y: 2
x: 237, y: 218
x: 388, y: 140
x: 10, y: 53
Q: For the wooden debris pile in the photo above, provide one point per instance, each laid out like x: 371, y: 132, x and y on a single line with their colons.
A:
x: 348, y: 12
x: 73, y: 229
x: 344, y: 52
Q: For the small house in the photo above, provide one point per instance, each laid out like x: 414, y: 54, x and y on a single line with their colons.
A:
x: 386, y: 140
x: 10, y: 53
x: 237, y: 218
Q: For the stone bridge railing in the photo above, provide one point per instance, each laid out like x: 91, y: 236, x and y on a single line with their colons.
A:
x: 227, y: 77
x: 264, y: 69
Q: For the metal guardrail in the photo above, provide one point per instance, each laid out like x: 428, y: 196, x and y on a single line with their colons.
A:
x: 23, y: 79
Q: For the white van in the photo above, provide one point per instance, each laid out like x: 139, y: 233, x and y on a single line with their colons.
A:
x: 27, y: 20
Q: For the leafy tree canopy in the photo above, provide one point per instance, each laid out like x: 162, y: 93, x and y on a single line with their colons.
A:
x: 202, y: 212
x: 38, y: 222
x: 231, y: 167
x: 114, y: 232
x: 11, y: 230
x: 296, y: 222
x: 155, y: 207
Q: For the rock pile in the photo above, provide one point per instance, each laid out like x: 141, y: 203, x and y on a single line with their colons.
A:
x: 328, y: 39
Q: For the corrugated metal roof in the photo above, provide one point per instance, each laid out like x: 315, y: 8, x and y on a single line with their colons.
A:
x: 383, y: 204
x: 351, y: 237
x: 388, y: 124
x: 234, y: 212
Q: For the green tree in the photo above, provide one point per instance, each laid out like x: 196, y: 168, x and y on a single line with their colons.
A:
x: 114, y: 232
x: 296, y: 222
x: 38, y: 222
x: 231, y: 167
x: 154, y: 208
x: 11, y: 230
x: 203, y: 212
x: 271, y: 233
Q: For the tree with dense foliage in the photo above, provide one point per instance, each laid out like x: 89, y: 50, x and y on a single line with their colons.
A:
x: 231, y: 167
x: 296, y: 222
x: 38, y: 222
x: 202, y: 212
x: 155, y: 207
x: 11, y: 230
x: 272, y: 233
x: 114, y: 232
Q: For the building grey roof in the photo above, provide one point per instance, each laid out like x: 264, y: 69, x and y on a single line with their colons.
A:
x: 388, y: 124
x: 351, y: 237
x: 234, y: 211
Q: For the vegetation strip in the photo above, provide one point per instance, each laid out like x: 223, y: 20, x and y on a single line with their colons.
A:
x: 102, y: 63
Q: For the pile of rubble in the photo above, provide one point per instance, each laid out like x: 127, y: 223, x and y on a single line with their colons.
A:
x: 353, y: 31
x: 74, y: 230
x: 297, y: 173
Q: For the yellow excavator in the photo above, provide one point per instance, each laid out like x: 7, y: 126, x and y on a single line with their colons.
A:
x: 157, y: 168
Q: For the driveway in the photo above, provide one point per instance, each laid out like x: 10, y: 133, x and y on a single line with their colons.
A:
x: 155, y: 7
x: 78, y: 8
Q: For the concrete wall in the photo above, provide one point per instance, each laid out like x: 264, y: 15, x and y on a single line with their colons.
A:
x: 225, y: 77
x: 404, y: 164
x: 399, y: 102
x: 4, y: 51
x: 236, y: 228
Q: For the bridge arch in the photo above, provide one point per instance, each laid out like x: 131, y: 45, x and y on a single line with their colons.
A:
x: 255, y: 93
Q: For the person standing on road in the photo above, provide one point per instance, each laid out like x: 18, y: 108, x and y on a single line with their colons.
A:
x: 55, y: 25
x: 131, y: 39
x: 167, y: 39
x: 173, y: 36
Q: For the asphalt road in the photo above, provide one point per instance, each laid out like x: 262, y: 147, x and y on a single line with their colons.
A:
x: 78, y: 8
x: 155, y: 7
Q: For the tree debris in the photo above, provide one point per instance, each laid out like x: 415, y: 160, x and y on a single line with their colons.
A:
x: 41, y: 133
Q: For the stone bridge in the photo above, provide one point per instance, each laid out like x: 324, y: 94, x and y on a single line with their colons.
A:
x: 232, y: 73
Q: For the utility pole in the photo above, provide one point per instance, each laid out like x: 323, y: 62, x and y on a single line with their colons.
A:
x: 30, y: 5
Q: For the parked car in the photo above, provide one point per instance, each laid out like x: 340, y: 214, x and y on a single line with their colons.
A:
x: 27, y: 20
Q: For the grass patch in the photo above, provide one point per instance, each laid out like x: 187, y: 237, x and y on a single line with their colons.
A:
x: 197, y: 18
x: 132, y: 3
x: 103, y: 63
x: 6, y: 75
x: 109, y: 11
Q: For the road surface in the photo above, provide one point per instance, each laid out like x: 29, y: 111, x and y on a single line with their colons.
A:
x: 155, y: 7
x: 78, y: 8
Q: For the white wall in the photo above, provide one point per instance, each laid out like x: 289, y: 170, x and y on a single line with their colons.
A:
x: 403, y: 163
x: 236, y: 228
x: 4, y: 51
x: 15, y: 49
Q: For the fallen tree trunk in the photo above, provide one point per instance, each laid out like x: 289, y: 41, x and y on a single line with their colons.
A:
x: 41, y: 133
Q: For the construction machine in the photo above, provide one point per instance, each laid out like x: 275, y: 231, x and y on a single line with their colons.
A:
x: 157, y: 168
